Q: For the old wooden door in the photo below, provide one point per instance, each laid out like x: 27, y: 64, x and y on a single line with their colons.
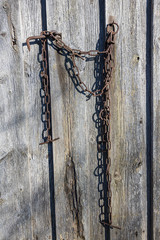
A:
x: 53, y: 192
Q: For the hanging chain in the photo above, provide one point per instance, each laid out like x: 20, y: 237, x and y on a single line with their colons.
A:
x: 104, y: 145
x: 57, y: 40
x: 47, y: 98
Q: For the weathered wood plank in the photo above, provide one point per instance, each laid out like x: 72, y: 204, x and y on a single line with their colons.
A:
x: 37, y: 155
x: 156, y: 121
x: 15, y: 208
x: 128, y: 120
x: 25, y: 199
x: 75, y: 154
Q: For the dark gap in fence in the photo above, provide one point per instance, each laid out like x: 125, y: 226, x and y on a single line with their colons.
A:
x: 149, y: 117
x: 44, y: 15
x: 102, y: 38
x: 101, y: 157
x: 50, y: 147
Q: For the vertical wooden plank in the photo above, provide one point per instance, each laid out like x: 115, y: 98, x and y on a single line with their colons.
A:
x: 156, y: 120
x: 75, y: 153
x: 38, y: 165
x: 128, y: 120
x: 15, y: 208
x: 24, y: 198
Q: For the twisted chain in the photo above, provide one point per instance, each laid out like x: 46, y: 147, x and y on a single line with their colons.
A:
x: 57, y: 38
x: 104, y: 145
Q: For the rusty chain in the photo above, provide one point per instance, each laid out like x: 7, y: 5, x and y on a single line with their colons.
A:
x: 104, y: 145
x: 46, y: 89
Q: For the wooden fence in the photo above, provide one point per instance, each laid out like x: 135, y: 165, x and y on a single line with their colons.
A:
x: 53, y: 192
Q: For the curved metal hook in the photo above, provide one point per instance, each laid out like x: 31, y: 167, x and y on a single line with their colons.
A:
x: 31, y: 38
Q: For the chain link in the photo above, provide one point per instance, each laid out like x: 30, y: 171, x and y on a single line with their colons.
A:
x: 78, y: 53
x: 45, y: 82
x: 104, y: 145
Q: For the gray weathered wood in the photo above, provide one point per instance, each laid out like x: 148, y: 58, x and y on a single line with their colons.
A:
x: 25, y: 207
x: 37, y: 155
x: 25, y: 198
x: 156, y: 121
x: 15, y: 209
x: 128, y: 120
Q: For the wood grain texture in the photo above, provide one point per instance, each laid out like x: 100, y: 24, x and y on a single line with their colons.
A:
x: 75, y: 153
x: 25, y: 199
x: 156, y: 121
x: 128, y: 120
x: 26, y: 179
x: 15, y: 196
x: 37, y: 155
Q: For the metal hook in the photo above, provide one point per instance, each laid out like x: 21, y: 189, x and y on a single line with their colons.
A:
x: 31, y: 38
